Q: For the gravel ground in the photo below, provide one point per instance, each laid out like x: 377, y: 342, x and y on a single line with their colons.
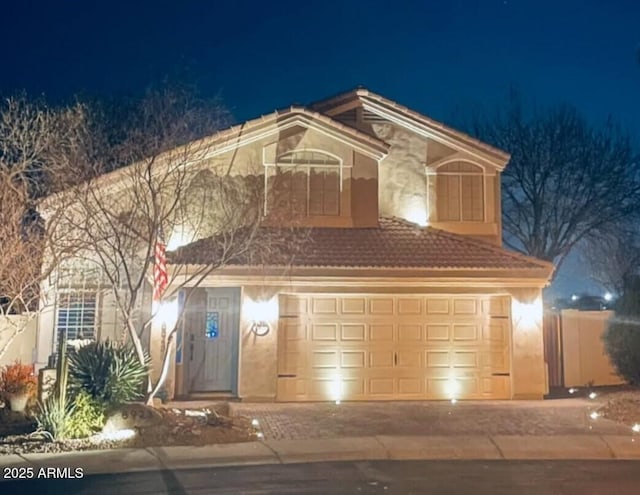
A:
x: 176, y: 427
x: 622, y: 407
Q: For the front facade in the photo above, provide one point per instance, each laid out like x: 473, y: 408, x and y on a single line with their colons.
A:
x: 402, y: 290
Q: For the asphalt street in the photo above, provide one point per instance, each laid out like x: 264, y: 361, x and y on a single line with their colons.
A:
x: 362, y: 477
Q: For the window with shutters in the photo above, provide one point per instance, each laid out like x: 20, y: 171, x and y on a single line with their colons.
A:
x: 304, y: 183
x: 460, y: 193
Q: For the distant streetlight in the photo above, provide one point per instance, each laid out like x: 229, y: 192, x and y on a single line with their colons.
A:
x: 575, y: 297
x: 608, y: 296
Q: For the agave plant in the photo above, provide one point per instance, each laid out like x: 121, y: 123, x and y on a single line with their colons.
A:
x: 110, y: 373
x: 54, y: 418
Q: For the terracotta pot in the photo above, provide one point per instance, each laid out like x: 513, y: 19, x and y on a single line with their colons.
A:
x: 18, y: 402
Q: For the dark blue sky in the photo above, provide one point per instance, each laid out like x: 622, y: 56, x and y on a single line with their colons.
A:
x: 434, y: 56
x: 438, y: 57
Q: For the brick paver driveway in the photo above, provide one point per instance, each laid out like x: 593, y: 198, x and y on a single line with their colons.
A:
x: 326, y: 420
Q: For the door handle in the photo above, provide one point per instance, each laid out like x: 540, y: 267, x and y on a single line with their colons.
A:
x: 395, y: 359
x: 191, y: 339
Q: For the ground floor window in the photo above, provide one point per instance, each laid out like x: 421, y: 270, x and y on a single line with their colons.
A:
x: 76, y: 315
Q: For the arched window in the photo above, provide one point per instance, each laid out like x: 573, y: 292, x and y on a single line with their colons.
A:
x: 460, y: 193
x: 306, y: 183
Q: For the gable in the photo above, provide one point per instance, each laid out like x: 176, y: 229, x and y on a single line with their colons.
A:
x: 242, y: 145
x: 363, y: 110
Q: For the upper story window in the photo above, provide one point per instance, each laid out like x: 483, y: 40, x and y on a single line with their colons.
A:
x: 460, y: 193
x: 305, y: 183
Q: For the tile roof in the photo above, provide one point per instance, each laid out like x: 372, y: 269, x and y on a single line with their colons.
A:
x: 395, y: 243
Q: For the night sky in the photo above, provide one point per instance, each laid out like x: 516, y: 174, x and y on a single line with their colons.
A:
x: 437, y: 57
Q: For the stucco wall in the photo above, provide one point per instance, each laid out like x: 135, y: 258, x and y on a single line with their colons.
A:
x: 258, y: 354
x: 22, y: 347
x: 407, y: 182
x: 528, y: 372
x: 584, y: 358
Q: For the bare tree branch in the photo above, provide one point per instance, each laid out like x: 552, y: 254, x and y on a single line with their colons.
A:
x: 566, y: 180
x: 40, y: 149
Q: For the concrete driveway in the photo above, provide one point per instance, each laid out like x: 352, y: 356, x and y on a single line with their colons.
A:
x: 354, y: 419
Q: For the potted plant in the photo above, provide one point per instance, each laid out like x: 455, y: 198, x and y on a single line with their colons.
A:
x: 17, y: 385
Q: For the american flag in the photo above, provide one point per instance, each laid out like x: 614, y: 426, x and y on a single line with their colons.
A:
x: 160, y: 277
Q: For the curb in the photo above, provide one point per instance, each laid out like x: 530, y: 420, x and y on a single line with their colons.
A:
x: 499, y: 447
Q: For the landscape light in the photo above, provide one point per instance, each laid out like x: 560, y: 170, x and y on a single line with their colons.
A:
x: 593, y: 395
x: 594, y: 415
x: 636, y: 428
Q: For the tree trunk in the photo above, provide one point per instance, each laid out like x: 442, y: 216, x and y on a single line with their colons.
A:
x: 166, y: 362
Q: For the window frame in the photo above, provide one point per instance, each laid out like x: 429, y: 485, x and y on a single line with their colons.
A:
x: 83, y: 293
x: 305, y: 166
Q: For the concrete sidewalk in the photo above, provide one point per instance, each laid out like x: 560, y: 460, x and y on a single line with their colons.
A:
x: 595, y: 447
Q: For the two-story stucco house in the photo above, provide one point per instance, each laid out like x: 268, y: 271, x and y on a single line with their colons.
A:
x: 404, y: 290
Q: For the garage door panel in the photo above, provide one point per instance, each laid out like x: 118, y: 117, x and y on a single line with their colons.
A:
x: 353, y: 331
x: 353, y: 306
x: 410, y: 386
x: 438, y: 332
x: 324, y: 359
x: 409, y: 359
x: 409, y: 332
x: 410, y: 306
x: 465, y: 359
x: 381, y: 332
x: 380, y: 359
x: 324, y: 331
x: 496, y: 306
x: 468, y: 386
x: 438, y: 359
x: 324, y: 306
x: 497, y: 360
x: 381, y: 306
x: 381, y: 386
x: 465, y: 333
x: 353, y: 359
x: 462, y: 306
x: 394, y: 346
x: 438, y: 307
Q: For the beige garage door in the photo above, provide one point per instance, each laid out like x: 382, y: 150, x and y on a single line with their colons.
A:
x: 367, y: 347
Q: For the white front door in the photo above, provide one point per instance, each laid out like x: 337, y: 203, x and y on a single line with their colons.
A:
x: 213, y: 345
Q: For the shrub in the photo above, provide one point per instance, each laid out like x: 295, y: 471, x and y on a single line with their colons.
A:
x: 17, y: 378
x: 54, y: 418
x: 86, y: 416
x: 110, y: 373
x: 622, y: 336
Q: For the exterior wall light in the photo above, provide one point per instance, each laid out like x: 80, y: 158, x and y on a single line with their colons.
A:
x: 260, y: 328
x: 165, y: 313
x: 416, y: 212
x: 528, y: 315
x: 261, y: 313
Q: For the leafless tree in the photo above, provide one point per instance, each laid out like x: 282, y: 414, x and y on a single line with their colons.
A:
x: 614, y: 255
x: 38, y: 145
x: 566, y: 179
x: 172, y: 189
